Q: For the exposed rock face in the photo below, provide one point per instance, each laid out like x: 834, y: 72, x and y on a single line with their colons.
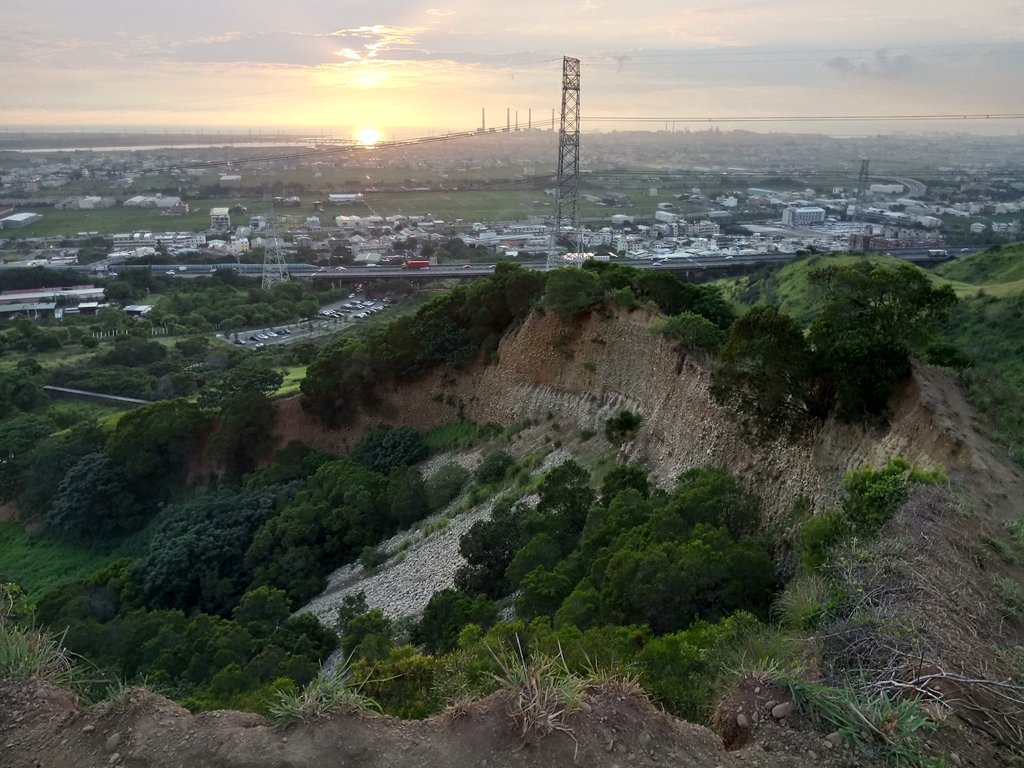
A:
x: 596, y: 366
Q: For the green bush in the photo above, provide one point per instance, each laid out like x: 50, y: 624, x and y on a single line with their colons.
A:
x: 622, y: 426
x: 385, y: 449
x: 445, y: 484
x: 818, y: 535
x: 692, y: 331
x: 494, y: 469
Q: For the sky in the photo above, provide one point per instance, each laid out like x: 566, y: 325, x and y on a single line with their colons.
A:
x: 406, y: 67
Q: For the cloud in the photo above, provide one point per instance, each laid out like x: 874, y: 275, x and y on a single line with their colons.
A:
x: 440, y: 12
x: 881, y: 66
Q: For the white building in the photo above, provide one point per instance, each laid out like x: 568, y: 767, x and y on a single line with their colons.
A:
x: 803, y: 217
x: 703, y: 228
x: 16, y: 220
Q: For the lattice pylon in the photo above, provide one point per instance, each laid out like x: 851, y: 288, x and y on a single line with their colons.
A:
x: 275, y: 271
x: 567, y: 188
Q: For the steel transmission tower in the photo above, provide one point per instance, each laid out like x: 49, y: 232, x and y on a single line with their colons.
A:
x: 860, y: 241
x: 275, y: 271
x: 567, y: 191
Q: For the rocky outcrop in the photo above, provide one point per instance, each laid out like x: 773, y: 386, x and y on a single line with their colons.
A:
x: 605, y: 362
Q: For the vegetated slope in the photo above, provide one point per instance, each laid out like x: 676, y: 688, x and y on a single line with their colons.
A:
x: 989, y: 326
x: 788, y: 286
x: 996, y: 265
x: 601, y: 364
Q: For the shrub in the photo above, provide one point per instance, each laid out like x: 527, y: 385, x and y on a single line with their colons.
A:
x: 803, y: 603
x: 622, y: 426
x: 371, y: 557
x: 445, y: 484
x: 544, y: 692
x: 385, y: 449
x: 328, y: 693
x: 818, y: 535
x: 494, y: 468
x: 1011, y: 602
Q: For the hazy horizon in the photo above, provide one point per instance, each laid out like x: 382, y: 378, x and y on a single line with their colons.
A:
x: 422, y: 68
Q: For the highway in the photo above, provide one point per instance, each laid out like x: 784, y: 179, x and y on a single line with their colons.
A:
x: 703, y: 265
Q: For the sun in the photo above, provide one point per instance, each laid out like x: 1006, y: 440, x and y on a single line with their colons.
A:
x: 368, y: 136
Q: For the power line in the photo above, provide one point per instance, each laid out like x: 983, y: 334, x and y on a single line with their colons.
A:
x: 801, y: 118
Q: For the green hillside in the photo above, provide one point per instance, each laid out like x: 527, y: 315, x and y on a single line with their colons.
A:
x: 789, y: 287
x: 988, y: 324
x: 1004, y: 264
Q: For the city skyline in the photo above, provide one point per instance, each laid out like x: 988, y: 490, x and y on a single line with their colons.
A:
x: 432, y: 66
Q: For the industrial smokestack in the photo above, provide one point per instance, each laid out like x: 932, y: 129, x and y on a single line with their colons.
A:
x: 517, y: 119
x: 483, y: 118
x: 508, y: 120
x: 529, y: 120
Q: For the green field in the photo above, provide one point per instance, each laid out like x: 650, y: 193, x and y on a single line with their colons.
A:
x: 109, y: 221
x: 39, y: 564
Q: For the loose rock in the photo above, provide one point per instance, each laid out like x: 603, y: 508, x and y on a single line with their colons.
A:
x: 782, y: 710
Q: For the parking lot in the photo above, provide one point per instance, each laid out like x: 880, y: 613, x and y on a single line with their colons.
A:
x: 329, y: 318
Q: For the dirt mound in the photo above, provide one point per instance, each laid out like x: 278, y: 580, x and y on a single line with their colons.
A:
x: 42, y: 725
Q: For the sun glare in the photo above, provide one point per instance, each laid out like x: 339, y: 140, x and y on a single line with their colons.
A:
x: 368, y: 136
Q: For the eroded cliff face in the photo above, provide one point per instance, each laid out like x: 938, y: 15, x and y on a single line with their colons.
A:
x: 602, y: 363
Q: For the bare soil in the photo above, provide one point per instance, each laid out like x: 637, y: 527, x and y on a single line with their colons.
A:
x: 41, y: 725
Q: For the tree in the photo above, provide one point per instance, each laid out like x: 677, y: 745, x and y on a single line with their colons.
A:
x: 447, y: 613
x: 19, y: 390
x: 252, y: 375
x: 384, y: 449
x: 46, y: 464
x: 195, y: 557
x: 767, y: 372
x: 874, y: 318
x: 93, y: 501
x: 244, y: 434
x: 18, y: 436
x: 155, y: 443
x: 569, y: 291
x: 691, y: 331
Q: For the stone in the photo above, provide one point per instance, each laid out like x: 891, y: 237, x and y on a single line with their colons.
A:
x: 113, y: 742
x: 115, y: 758
x: 954, y: 758
x: 89, y: 729
x: 835, y: 739
x: 782, y: 710
x: 742, y: 721
x: 755, y: 717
